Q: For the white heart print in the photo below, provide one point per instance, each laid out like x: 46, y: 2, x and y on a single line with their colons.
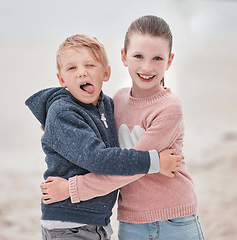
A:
x: 129, y: 139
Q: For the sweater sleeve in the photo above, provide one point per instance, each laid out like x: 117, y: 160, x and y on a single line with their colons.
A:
x: 71, y: 137
x: 160, y: 135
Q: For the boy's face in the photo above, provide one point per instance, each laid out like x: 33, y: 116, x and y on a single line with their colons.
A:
x: 82, y: 75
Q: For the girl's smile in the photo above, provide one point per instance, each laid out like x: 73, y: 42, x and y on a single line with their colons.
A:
x: 145, y: 78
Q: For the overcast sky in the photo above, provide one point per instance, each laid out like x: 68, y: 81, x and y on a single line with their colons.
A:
x: 52, y: 18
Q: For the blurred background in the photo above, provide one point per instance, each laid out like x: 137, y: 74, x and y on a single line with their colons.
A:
x: 203, y: 75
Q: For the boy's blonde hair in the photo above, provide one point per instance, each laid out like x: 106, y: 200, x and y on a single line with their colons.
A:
x: 81, y: 40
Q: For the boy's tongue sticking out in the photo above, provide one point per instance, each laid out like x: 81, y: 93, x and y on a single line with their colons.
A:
x: 87, y: 87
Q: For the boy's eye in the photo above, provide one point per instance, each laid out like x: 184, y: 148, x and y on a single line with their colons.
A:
x: 138, y: 56
x: 157, y: 58
x: 71, y: 68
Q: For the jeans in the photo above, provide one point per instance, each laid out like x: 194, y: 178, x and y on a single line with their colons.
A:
x: 184, y: 228
x: 87, y: 232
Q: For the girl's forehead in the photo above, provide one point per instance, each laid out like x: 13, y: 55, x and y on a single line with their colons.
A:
x: 146, y: 37
x: 144, y: 42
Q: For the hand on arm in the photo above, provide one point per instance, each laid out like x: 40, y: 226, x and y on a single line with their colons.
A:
x: 54, y: 189
x: 169, y: 163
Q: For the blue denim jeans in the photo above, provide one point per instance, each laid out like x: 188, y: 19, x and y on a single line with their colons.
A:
x: 184, y: 228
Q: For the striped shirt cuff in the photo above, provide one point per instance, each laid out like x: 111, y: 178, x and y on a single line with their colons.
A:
x: 73, y: 190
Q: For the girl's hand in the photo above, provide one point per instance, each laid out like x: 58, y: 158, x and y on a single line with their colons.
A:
x: 54, y: 189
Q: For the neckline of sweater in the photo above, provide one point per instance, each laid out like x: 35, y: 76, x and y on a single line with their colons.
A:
x: 143, y: 102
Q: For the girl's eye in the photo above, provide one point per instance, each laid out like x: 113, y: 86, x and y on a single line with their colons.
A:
x: 138, y: 56
x: 157, y: 58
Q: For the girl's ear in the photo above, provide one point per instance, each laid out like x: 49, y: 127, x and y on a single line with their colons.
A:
x: 107, y: 73
x: 61, y: 81
x: 170, y: 61
x: 124, y: 57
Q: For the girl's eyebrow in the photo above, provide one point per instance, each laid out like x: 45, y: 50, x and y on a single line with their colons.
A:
x: 160, y: 55
x: 154, y: 55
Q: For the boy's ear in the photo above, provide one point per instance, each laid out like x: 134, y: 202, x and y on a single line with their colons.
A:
x: 61, y: 81
x: 124, y: 57
x: 107, y: 73
x: 170, y: 61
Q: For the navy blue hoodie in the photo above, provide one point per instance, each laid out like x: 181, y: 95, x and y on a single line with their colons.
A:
x: 76, y: 141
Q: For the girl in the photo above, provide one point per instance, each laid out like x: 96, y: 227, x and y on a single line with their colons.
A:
x: 155, y: 206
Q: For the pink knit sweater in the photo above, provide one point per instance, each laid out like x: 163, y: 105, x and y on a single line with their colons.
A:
x: 154, y: 122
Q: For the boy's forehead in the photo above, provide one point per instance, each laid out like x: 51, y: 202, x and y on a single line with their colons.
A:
x: 79, y: 50
x: 84, y: 53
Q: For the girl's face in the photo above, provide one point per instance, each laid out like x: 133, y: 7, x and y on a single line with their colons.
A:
x: 147, y: 60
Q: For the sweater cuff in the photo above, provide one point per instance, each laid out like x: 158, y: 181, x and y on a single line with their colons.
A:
x: 73, y: 190
x: 155, y: 162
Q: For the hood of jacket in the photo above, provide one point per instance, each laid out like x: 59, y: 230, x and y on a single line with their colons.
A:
x: 40, y: 102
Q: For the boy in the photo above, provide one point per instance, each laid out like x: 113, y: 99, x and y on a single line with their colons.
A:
x: 80, y: 137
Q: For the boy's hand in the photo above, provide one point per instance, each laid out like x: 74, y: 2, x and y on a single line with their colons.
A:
x: 54, y: 189
x: 169, y: 163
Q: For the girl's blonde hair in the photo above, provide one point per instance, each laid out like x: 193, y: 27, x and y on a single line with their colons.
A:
x: 81, y: 40
x: 151, y: 25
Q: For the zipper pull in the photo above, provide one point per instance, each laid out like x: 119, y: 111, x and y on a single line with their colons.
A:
x: 103, y: 119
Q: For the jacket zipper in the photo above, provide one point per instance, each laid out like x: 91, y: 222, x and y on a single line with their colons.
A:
x: 102, y: 117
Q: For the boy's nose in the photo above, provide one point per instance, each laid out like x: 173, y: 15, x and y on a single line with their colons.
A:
x: 81, y: 73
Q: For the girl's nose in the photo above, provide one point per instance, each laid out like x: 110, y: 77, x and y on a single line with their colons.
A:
x: 146, y: 67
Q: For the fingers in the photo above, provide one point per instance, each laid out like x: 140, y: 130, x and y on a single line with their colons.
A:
x: 46, y: 197
x: 178, y: 164
x: 43, y: 185
x: 171, y: 151
x: 44, y: 191
x: 46, y: 200
x: 177, y: 169
x: 178, y: 158
x: 50, y: 179
x: 171, y: 175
